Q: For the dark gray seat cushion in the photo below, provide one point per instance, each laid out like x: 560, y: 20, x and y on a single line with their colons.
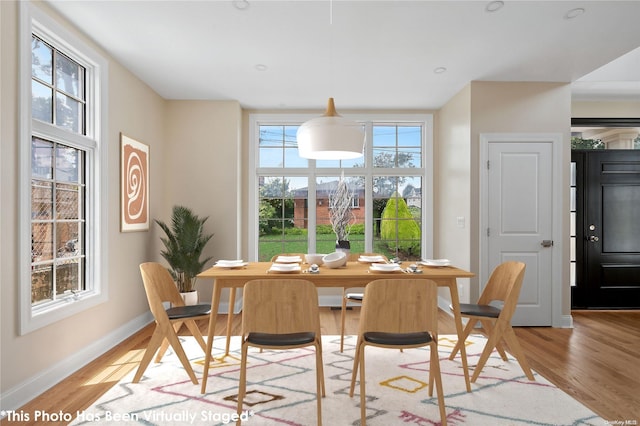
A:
x: 179, y: 312
x: 398, y: 339
x: 480, y: 310
x: 290, y: 339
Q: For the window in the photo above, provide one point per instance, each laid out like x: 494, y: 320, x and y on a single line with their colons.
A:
x: 391, y: 187
x: 605, y: 133
x: 63, y: 132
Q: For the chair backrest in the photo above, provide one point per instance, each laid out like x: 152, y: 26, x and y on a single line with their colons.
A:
x: 159, y: 287
x: 275, y: 256
x: 280, y: 306
x: 504, y: 286
x: 353, y: 257
x: 400, y: 306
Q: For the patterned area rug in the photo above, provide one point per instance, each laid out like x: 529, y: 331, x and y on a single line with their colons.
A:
x: 281, y: 391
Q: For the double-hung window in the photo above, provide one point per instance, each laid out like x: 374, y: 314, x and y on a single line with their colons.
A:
x: 391, y: 188
x: 63, y: 172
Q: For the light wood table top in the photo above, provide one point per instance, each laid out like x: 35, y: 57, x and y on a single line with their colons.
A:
x: 354, y: 274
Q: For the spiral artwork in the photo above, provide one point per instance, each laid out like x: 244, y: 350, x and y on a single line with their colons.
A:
x: 135, y: 185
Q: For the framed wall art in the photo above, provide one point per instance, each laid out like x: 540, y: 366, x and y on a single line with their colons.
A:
x: 134, y: 185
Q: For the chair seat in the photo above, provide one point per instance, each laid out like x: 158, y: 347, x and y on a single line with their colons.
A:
x: 355, y: 296
x: 399, y: 339
x: 479, y: 310
x: 178, y: 312
x: 290, y: 339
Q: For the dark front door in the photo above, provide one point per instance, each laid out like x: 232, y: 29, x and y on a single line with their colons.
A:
x: 608, y: 228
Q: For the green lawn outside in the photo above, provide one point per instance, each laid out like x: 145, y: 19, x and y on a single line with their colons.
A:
x: 271, y: 245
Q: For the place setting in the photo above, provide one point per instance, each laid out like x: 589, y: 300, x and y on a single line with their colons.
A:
x: 288, y: 260
x: 385, y: 267
x: 438, y: 263
x: 372, y: 259
x: 284, y: 268
x: 230, y: 264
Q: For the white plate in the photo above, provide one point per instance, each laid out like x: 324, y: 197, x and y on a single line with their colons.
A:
x: 286, y: 267
x: 371, y: 259
x: 288, y: 259
x: 384, y: 267
x: 435, y: 262
x: 230, y: 263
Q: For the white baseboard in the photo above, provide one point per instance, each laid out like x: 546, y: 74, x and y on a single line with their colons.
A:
x: 566, y: 321
x: 24, y: 392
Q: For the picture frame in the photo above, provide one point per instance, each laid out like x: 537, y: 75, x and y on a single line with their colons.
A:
x: 134, y: 185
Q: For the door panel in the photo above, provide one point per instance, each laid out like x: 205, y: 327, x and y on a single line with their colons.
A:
x: 520, y: 219
x: 612, y: 229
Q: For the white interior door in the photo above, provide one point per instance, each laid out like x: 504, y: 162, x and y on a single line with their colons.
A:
x: 519, y: 219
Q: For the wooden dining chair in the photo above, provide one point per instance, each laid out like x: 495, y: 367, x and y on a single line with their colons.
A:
x: 399, y: 313
x: 352, y: 295
x: 503, y: 287
x: 160, y: 288
x: 281, y: 314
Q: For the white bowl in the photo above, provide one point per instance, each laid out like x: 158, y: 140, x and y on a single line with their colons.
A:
x: 312, y: 258
x: 335, y: 259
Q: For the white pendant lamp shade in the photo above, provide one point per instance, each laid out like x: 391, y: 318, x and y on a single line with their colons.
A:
x: 330, y: 137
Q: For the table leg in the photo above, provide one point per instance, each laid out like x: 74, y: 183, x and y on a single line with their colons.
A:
x: 455, y: 304
x: 230, y: 314
x: 215, y: 301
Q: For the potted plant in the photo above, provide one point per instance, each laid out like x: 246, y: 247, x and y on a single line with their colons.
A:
x: 184, y: 242
x: 341, y: 215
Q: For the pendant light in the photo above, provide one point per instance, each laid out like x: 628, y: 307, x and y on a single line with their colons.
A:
x: 330, y: 137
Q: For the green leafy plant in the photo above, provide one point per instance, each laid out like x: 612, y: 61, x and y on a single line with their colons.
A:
x: 398, y: 229
x: 184, y: 242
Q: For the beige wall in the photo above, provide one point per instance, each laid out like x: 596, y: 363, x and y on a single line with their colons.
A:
x: 525, y: 108
x: 135, y: 110
x: 452, y: 185
x: 492, y: 107
x: 194, y: 150
x: 203, y: 171
x: 606, y: 109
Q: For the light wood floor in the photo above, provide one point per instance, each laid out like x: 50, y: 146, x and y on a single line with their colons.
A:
x: 596, y: 362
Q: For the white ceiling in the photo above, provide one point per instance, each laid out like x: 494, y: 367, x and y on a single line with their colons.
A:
x: 365, y: 54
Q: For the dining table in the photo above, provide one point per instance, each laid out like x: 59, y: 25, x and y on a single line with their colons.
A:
x: 353, y: 274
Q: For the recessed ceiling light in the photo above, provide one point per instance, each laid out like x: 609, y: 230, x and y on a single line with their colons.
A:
x: 241, y: 4
x: 494, y: 6
x: 261, y: 67
x: 439, y: 70
x: 574, y: 13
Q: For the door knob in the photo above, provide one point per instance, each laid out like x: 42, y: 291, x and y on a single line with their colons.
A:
x: 546, y: 243
x: 593, y: 238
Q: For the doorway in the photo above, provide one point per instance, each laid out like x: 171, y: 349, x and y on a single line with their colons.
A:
x: 518, y: 220
x: 607, y: 229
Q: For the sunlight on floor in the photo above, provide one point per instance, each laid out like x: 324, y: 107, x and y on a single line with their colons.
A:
x: 115, y: 371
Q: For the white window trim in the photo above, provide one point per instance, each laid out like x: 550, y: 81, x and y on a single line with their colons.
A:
x: 255, y: 120
x: 34, y: 21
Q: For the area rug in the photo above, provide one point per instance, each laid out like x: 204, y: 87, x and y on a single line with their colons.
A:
x: 281, y: 390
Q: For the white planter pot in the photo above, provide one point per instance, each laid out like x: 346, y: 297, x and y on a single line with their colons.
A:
x: 190, y: 298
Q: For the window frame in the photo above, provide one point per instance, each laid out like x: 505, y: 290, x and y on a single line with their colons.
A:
x: 93, y: 142
x: 427, y: 164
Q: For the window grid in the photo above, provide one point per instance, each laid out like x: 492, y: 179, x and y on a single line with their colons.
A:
x: 57, y: 224
x: 67, y: 106
x: 57, y: 176
x: 396, y: 155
